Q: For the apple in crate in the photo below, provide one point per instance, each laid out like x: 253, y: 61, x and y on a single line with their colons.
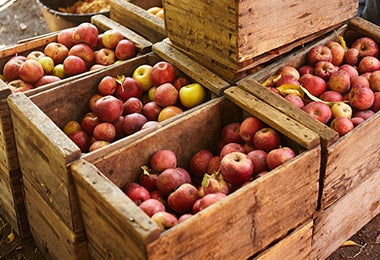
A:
x: 319, y: 111
x: 31, y: 71
x: 366, y: 46
x: 18, y: 85
x: 108, y: 108
x: 361, y: 97
x: 231, y: 147
x: 279, y: 156
x: 199, y: 162
x: 47, y: 64
x: 248, y: 128
x: 111, y: 37
x: 74, y: 65
x: 231, y: 133
x: 342, y: 125
x: 368, y: 64
x: 168, y: 112
x: 105, y: 56
x: 65, y: 37
x: 148, y: 178
x: 142, y: 75
x: 129, y: 87
x: 207, y: 201
x: 162, y: 72
x: 165, y: 220
x: 295, y: 100
x: 57, y: 51
x: 166, y: 95
x: 163, y: 159
x: 192, y: 95
x: 341, y: 109
x: 46, y: 79
x: 133, y: 123
x: 97, y: 145
x: 136, y: 192
x: 182, y: 199
x: 170, y: 179
x: 107, y: 85
x: 266, y: 139
x: 318, y: 53
x: 337, y: 51
x: 59, y: 71
x: 84, y: 52
x: 362, y: 81
x: 151, y: 110
x: 236, y: 168
x: 314, y: 84
x: 331, y: 96
x: 11, y: 68
x: 35, y: 55
x: 132, y: 105
x: 324, y: 69
x: 125, y: 49
x: 104, y: 131
x: 213, y: 183
x: 81, y: 139
x: 152, y: 206
x: 87, y: 33
x: 259, y: 160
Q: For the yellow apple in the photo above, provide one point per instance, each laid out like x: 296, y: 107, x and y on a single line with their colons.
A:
x: 142, y: 75
x: 59, y: 71
x: 168, y: 112
x: 47, y: 64
x: 71, y: 127
x: 192, y: 95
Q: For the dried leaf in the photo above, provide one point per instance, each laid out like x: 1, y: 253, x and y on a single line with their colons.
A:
x: 206, y: 180
x: 271, y: 81
x: 314, y: 98
x: 145, y: 170
x: 342, y: 41
x: 287, y: 89
x: 350, y: 243
x: 120, y: 79
x: 10, y: 238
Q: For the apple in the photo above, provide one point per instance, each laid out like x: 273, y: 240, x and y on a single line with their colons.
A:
x: 81, y: 139
x: 184, y: 217
x: 137, y: 193
x: 161, y: 13
x: 133, y: 123
x: 59, y: 71
x: 74, y: 65
x: 118, y: 124
x: 86, y: 33
x: 361, y: 97
x: 236, y: 168
x: 11, y: 68
x: 357, y: 120
x: 130, y: 87
x: 376, y: 103
x: 199, y: 162
x: 149, y: 124
x: 374, y: 80
x: 151, y: 110
x: 152, y: 206
x: 111, y: 37
x: 183, y: 198
x: 105, y: 56
x: 287, y: 79
x: 318, y: 53
x: 314, y: 84
x: 353, y: 71
x: 318, y: 110
x: 248, y: 127
x: 324, y: 69
x: 213, y: 183
x: 230, y: 133
x: 207, y: 200
x: 289, y: 70
x: 338, y: 52
x: 97, y: 67
x: 259, y: 160
x: 107, y: 85
x: 366, y: 47
x: 142, y: 75
x: 306, y: 69
x: 84, y: 52
x: 18, y: 85
x: 92, y: 100
x: 88, y: 122
x: 279, y: 156
x: 231, y: 147
x: 132, y: 105
x: 341, y: 109
x: 342, y: 125
x: 105, y: 132
x: 180, y: 82
x: 361, y: 81
x: 266, y: 139
x: 351, y: 57
x: 168, y: 112
x: 46, y: 79
x: 365, y: 114
x: 331, y: 96
x: 339, y: 81
x: 35, y: 55
x: 162, y: 72
x: 125, y: 49
x: 213, y: 165
x: 192, y: 95
x: 165, y: 220
x: 368, y: 64
x: 47, y: 64
x: 71, y: 127
x: 65, y: 37
x: 108, y: 108
x: 170, y: 179
x: 166, y: 95
x: 31, y: 71
x: 57, y: 51
x: 163, y: 159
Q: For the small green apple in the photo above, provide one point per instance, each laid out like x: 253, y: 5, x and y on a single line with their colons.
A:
x: 59, y: 71
x: 151, y: 93
x: 142, y: 75
x: 47, y: 64
x: 192, y: 95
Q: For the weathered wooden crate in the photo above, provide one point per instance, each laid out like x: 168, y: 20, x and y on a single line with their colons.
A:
x: 9, y: 164
x: 251, y: 218
x: 342, y: 169
x: 235, y: 36
x: 133, y: 14
x: 45, y: 152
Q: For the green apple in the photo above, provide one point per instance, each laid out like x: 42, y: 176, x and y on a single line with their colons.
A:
x: 59, y: 71
x: 47, y: 64
x: 192, y: 95
x: 151, y: 93
x: 142, y: 75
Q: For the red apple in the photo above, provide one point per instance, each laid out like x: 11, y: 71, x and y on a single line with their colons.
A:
x: 318, y: 53
x: 180, y: 82
x: 96, y: 145
x: 287, y: 79
x: 170, y: 179
x: 306, y: 69
x: 236, y: 168
x: 231, y: 147
x: 105, y: 132
x: 136, y: 192
x: 111, y: 38
x: 366, y: 47
x: 279, y: 156
x: 151, y: 110
x: 361, y: 81
x: 105, y: 56
x: 129, y: 88
x: 31, y: 71
x: 318, y: 110
x: 207, y: 201
x: 376, y: 103
x: 11, y: 68
x: 152, y: 206
x: 88, y: 122
x: 368, y: 64
x: 230, y: 133
x: 165, y: 220
x: 374, y: 80
x: 324, y: 69
x: 361, y: 97
x: 18, y: 85
x: 57, y: 51
x: 108, y: 108
x: 339, y: 81
x: 133, y: 123
x: 289, y: 70
x: 166, y: 95
x: 149, y: 124
x: 353, y: 71
x: 46, y: 79
x: 81, y: 139
x: 71, y: 127
x: 132, y: 105
x: 259, y: 160
x: 352, y: 56
x: 342, y: 125
x: 248, y: 127
x: 162, y: 72
x: 163, y: 159
x: 365, y: 114
x: 74, y: 65
x: 107, y: 85
x: 357, y: 120
x: 338, y: 52
x: 182, y: 199
x: 118, y: 124
x: 65, y: 37
x: 125, y: 49
x: 199, y: 162
x: 266, y: 139
x: 86, y: 33
x: 331, y: 96
x: 148, y: 179
x: 93, y: 99
x: 213, y: 183
x: 314, y: 84
x: 84, y: 52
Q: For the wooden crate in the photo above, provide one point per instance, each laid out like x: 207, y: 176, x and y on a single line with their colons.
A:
x: 45, y: 152
x: 9, y: 163
x: 236, y: 36
x: 346, y: 217
x: 133, y: 14
x: 252, y: 217
x: 342, y: 168
x: 52, y: 237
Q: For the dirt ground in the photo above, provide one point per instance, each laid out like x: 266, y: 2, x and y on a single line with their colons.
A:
x: 21, y: 19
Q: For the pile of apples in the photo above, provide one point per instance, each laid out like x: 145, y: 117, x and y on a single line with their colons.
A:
x: 157, y: 11
x: 170, y: 194
x: 339, y: 85
x: 126, y: 104
x: 76, y: 50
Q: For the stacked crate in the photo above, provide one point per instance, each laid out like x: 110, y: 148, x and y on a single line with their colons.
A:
x: 349, y: 176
